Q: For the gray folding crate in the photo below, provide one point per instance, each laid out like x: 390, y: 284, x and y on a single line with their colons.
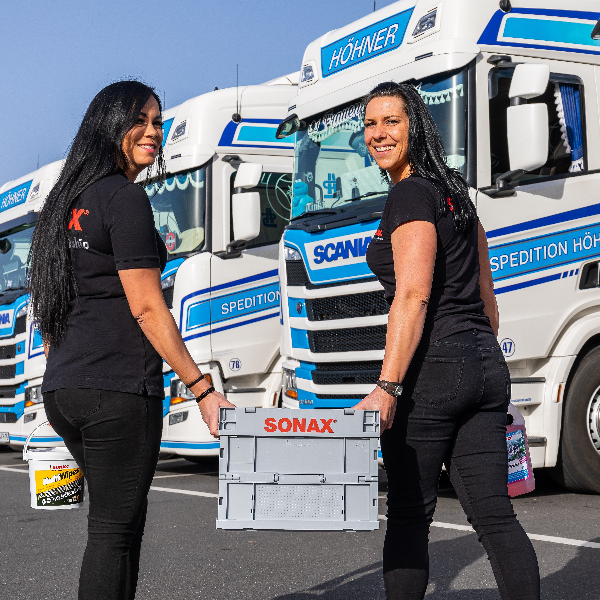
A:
x: 298, y: 469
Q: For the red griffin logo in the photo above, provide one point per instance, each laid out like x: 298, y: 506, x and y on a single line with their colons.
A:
x: 75, y: 220
x: 450, y: 205
x: 284, y: 425
x: 378, y: 233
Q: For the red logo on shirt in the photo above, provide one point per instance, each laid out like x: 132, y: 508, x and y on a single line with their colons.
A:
x: 378, y: 233
x: 450, y: 205
x: 75, y: 220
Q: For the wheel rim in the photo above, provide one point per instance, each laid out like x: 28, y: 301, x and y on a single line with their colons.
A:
x: 593, y: 415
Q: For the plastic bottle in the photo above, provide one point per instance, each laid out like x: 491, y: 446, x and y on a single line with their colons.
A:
x: 520, y: 471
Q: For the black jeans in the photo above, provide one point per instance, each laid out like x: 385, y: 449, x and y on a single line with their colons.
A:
x: 453, y: 411
x: 115, y: 439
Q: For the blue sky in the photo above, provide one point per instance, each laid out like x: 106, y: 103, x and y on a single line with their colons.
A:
x: 57, y: 55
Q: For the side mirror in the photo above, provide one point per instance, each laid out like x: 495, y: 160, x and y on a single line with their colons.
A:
x: 245, y: 214
x: 529, y: 81
x: 245, y: 208
x: 528, y: 136
x: 248, y: 175
x: 527, y: 124
x: 527, y: 127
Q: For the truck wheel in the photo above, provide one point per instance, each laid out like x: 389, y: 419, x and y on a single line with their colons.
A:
x: 578, y: 466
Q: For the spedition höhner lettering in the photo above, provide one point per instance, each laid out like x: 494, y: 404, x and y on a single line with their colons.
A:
x: 545, y: 252
x: 262, y: 299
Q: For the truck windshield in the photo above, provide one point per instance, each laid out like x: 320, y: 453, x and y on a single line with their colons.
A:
x: 178, y: 206
x: 14, y: 248
x: 333, y: 168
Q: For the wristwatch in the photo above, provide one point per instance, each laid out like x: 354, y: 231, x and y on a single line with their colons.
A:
x: 391, y: 387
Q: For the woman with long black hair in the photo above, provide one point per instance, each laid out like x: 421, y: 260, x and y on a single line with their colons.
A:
x: 444, y: 388
x: 95, y: 265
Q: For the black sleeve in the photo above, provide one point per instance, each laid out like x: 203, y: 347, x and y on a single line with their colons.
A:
x: 411, y: 201
x: 131, y: 228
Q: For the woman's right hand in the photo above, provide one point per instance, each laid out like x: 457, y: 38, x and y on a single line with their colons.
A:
x: 209, y: 409
x: 385, y: 403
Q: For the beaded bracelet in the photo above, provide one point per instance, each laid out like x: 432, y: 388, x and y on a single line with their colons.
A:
x: 205, y: 393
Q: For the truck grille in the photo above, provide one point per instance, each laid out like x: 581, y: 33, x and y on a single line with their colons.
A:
x: 354, y: 339
x: 297, y: 275
x: 8, y: 391
x: 20, y: 325
x: 354, y: 306
x: 340, y: 396
x: 8, y: 417
x: 296, y: 272
x: 8, y: 351
x: 7, y: 371
x: 168, y: 296
x: 347, y: 373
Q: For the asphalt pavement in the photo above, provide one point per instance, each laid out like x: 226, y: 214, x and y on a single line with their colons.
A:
x: 185, y: 557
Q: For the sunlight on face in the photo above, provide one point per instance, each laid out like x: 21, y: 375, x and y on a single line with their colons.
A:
x: 386, y: 135
x: 142, y: 142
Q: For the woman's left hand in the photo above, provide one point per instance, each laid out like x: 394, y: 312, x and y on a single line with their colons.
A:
x: 385, y: 403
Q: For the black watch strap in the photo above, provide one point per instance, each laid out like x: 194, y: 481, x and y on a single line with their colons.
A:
x: 394, y: 388
x: 205, y: 393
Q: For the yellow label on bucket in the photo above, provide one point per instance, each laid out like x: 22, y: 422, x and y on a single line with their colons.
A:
x: 59, y: 487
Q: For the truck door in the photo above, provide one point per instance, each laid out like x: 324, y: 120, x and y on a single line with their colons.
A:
x: 542, y: 237
x: 245, y: 299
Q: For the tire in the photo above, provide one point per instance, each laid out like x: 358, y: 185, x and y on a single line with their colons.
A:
x: 578, y: 467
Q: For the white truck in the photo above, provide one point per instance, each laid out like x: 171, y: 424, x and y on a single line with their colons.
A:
x: 513, y: 87
x: 22, y: 360
x: 221, y: 213
x: 222, y: 231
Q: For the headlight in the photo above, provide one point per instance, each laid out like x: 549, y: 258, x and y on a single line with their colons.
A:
x: 29, y: 417
x: 33, y: 395
x: 425, y: 23
x: 180, y: 393
x: 289, y: 383
x: 291, y: 253
x: 179, y: 417
x: 168, y: 282
x: 22, y: 312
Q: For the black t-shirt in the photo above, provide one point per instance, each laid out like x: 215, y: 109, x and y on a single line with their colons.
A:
x: 455, y: 303
x: 110, y: 228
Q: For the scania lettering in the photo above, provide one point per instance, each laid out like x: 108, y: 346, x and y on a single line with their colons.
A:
x: 221, y: 213
x: 515, y: 98
x: 22, y: 360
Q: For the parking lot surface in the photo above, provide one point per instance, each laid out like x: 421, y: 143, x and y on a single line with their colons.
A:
x: 184, y: 556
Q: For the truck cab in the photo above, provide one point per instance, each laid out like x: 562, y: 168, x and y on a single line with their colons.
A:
x: 221, y: 212
x: 513, y: 91
x: 22, y: 359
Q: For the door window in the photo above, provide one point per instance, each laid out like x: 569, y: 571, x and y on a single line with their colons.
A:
x: 566, y: 149
x: 275, y: 190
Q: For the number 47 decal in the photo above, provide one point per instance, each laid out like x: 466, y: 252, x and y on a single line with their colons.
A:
x: 507, y: 346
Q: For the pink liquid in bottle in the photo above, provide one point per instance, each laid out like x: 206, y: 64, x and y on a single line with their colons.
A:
x: 520, y: 472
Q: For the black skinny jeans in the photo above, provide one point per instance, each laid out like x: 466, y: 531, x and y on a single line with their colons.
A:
x: 115, y: 439
x: 453, y: 411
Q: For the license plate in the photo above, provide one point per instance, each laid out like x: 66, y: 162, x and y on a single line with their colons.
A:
x: 4, y: 439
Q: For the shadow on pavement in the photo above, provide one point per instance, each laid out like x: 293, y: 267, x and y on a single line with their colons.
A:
x: 579, y: 579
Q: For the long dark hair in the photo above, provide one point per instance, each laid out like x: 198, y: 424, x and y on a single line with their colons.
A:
x: 426, y: 153
x: 95, y: 153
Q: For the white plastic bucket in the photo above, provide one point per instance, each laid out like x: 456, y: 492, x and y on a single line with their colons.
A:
x: 55, y: 480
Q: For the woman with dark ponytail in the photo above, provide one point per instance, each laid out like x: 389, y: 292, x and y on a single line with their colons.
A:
x: 95, y: 265
x: 444, y: 389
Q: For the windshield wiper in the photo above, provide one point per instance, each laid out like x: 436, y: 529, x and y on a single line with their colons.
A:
x: 321, y: 211
x: 13, y: 289
x: 367, y: 195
